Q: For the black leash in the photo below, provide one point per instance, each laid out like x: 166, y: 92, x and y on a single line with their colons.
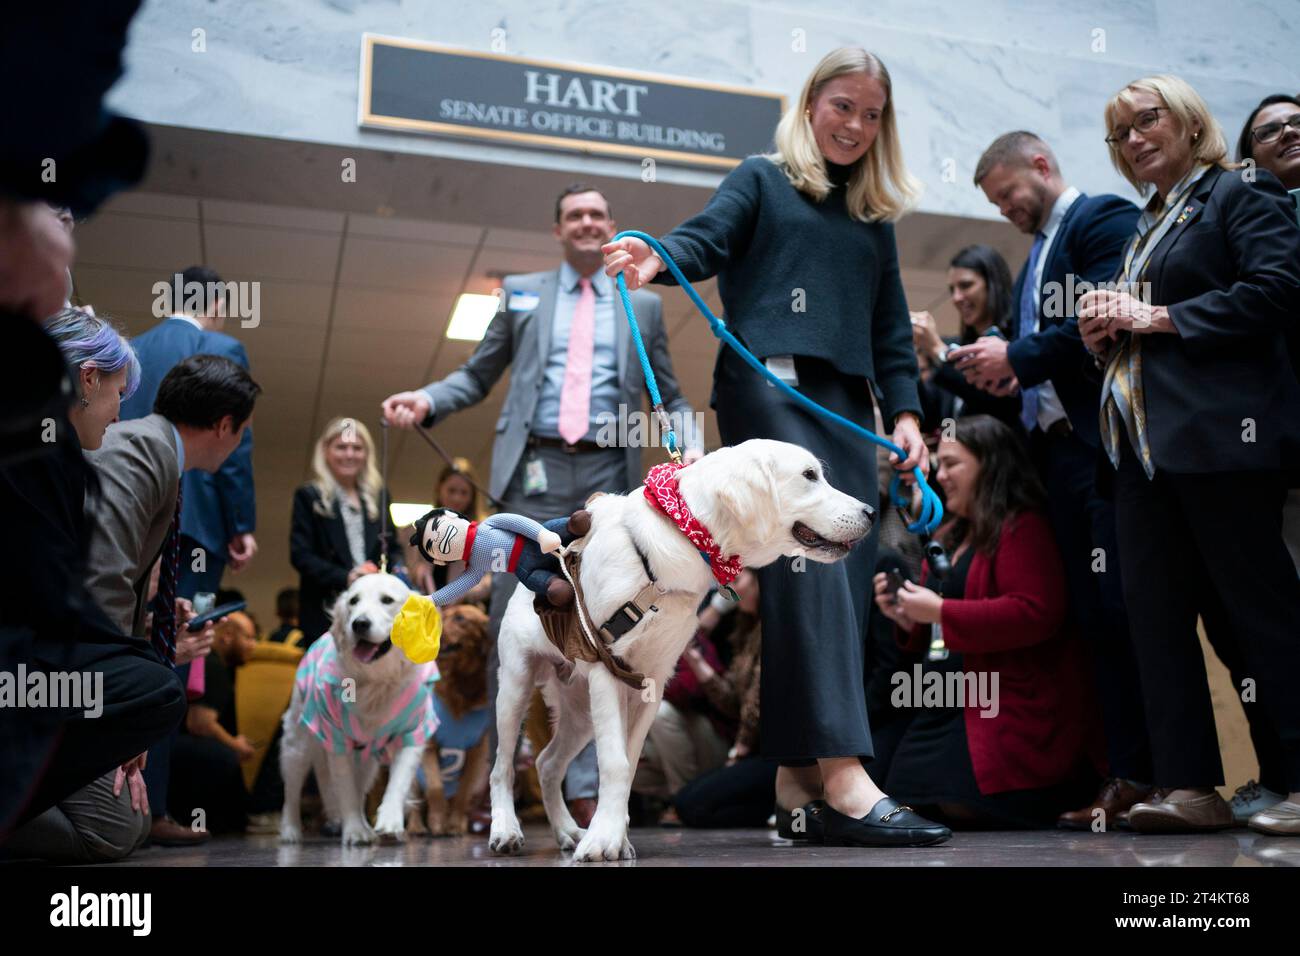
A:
x: 452, y: 464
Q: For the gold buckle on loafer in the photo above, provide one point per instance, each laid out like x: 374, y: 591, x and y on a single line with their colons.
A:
x: 898, y: 809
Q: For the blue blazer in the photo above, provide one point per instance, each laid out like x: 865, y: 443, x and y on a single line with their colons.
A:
x: 217, y: 506
x: 1088, y: 245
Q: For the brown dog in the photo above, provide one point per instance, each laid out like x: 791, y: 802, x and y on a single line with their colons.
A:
x: 462, y: 706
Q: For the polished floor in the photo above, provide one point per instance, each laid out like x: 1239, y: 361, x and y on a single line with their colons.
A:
x: 758, y: 848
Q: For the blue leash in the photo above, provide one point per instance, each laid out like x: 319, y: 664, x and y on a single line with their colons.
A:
x: 931, y: 508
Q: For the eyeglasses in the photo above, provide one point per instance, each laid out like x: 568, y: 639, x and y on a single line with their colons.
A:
x: 1143, y: 123
x: 1271, y: 131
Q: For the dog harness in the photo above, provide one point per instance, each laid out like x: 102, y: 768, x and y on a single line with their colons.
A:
x: 329, y: 708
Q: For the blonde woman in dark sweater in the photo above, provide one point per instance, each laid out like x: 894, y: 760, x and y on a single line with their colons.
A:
x: 802, y: 244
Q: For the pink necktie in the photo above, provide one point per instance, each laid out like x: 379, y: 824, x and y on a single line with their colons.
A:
x: 575, y: 396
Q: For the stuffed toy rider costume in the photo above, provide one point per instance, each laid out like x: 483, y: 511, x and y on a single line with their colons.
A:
x: 507, y: 542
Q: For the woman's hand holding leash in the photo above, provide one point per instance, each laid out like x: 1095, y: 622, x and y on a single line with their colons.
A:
x: 633, y: 258
x: 907, y: 436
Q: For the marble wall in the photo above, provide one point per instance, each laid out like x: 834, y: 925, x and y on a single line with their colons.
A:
x: 963, y: 71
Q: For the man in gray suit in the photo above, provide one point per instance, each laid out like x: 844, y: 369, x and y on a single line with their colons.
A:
x: 203, y: 406
x: 575, y: 386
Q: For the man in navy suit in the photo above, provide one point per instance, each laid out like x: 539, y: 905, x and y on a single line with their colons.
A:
x: 218, y: 512
x: 1078, y: 240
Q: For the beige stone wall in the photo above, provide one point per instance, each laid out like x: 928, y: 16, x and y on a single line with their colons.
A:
x: 1239, y: 764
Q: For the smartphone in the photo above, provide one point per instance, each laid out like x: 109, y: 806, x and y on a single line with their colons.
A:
x: 198, y: 623
x: 996, y: 332
x: 894, y: 582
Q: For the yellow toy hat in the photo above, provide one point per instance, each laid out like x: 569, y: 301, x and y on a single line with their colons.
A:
x: 417, y: 629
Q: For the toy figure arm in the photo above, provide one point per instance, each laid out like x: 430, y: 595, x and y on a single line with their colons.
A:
x: 548, y: 541
x: 451, y: 593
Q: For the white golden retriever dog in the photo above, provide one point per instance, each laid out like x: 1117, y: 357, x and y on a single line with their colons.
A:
x: 380, y: 674
x: 761, y: 499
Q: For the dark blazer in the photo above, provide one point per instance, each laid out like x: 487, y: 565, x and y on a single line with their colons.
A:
x: 1088, y: 246
x: 217, y: 506
x: 43, y: 499
x: 1229, y: 272
x: 1013, y: 622
x: 318, y: 549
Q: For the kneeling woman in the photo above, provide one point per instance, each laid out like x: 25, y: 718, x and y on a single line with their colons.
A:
x: 1016, y: 747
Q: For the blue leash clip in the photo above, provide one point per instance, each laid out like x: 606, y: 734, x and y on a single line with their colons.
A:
x: 931, y: 514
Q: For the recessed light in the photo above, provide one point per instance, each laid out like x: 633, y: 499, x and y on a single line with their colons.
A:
x: 406, y: 513
x: 471, y: 316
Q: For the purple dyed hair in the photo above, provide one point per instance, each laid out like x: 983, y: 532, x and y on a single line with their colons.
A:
x: 88, y: 340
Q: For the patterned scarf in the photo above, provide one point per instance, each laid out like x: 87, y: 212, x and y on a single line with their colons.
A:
x: 662, y: 492
x: 1123, y: 403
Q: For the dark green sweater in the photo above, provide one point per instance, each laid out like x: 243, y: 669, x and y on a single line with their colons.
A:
x: 764, y: 240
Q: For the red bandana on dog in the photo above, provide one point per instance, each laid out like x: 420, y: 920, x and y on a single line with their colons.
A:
x: 661, y: 491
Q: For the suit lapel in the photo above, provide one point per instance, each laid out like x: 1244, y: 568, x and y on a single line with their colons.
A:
x: 1184, y: 216
x: 1058, y: 241
x: 549, y: 292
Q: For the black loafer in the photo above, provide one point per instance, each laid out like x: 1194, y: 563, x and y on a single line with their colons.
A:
x: 804, y: 823
x: 889, y: 823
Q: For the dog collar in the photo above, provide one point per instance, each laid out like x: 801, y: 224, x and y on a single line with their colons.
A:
x: 661, y: 491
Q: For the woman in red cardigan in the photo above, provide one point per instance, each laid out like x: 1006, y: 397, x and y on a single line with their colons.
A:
x: 1005, y: 732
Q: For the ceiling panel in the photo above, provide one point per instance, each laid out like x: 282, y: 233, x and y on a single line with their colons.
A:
x: 244, y: 252
x: 403, y: 266
x: 524, y: 240
x: 414, y: 230
x: 395, y: 314
x: 280, y: 217
x: 159, y: 247
x: 118, y: 291
x: 152, y: 204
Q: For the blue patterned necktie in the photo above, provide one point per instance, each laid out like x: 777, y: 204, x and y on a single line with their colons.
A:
x: 1028, y: 319
x: 164, y: 608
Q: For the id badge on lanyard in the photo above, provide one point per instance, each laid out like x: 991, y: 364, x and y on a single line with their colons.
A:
x: 534, y: 476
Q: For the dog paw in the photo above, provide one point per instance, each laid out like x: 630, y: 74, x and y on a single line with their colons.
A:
x: 601, y: 844
x: 506, y: 839
x: 290, y: 833
x: 357, y: 833
x: 390, y: 824
x: 569, y: 837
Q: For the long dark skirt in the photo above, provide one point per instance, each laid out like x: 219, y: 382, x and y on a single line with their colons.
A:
x: 813, y: 701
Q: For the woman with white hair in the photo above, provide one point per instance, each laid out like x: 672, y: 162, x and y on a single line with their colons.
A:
x: 1200, y: 418
x: 802, y: 243
x: 336, y: 522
